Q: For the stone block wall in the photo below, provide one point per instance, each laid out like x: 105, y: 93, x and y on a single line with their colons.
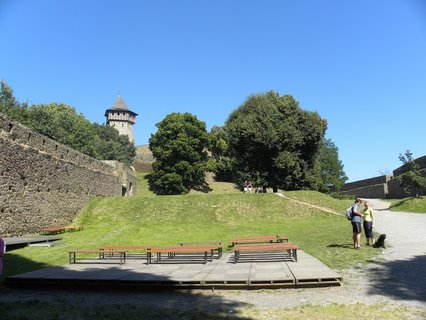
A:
x: 383, y: 186
x: 44, y: 183
x: 375, y: 191
x: 366, y: 182
x: 396, y: 191
x: 420, y: 161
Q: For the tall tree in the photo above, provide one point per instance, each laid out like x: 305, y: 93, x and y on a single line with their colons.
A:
x: 113, y: 146
x: 275, y: 143
x: 222, y: 162
x: 10, y: 106
x: 61, y: 123
x: 179, y: 148
x: 332, y: 175
x: 411, y: 179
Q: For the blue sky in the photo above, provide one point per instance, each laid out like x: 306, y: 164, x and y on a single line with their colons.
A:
x: 360, y: 64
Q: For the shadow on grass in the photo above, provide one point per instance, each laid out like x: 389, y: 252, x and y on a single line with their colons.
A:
x: 109, y: 291
x: 204, y: 187
x: 15, y: 264
x: 399, y: 203
x: 343, y: 245
x: 401, y: 279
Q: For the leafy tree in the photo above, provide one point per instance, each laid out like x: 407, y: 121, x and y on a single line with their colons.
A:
x: 332, y: 175
x: 222, y: 162
x: 179, y: 148
x: 113, y: 146
x: 10, y: 106
x: 411, y: 178
x: 275, y: 143
x: 61, y: 123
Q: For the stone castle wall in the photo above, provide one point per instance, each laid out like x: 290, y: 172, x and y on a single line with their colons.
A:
x: 366, y: 182
x: 374, y: 191
x: 420, y: 161
x: 44, y: 183
x: 144, y: 158
x: 383, y: 186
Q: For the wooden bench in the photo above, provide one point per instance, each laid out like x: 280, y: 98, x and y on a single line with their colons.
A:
x: 282, y: 238
x: 112, y: 249
x: 101, y: 253
x: 289, y: 248
x: 215, y: 243
x: 73, y: 228
x: 52, y: 230
x: 259, y: 239
x: 58, y: 229
x: 206, y: 251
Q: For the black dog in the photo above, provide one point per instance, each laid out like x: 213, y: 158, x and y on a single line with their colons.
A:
x: 380, y: 243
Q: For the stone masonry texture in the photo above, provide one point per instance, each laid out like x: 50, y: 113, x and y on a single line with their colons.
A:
x: 44, y: 183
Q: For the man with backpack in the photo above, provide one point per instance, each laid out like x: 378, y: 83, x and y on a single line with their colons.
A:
x: 356, y: 223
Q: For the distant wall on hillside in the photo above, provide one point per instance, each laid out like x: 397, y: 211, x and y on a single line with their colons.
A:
x: 385, y: 186
x: 144, y: 158
x: 44, y: 183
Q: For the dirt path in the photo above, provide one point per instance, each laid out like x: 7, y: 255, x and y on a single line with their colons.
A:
x: 396, y: 276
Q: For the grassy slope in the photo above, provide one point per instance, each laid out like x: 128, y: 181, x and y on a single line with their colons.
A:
x: 409, y: 205
x: 220, y: 215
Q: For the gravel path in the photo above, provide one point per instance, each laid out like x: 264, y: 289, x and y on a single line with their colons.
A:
x: 396, y: 276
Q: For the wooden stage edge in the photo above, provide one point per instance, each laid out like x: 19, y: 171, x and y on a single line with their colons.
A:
x: 273, y: 272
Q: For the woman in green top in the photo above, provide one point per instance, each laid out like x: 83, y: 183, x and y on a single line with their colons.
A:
x: 368, y: 223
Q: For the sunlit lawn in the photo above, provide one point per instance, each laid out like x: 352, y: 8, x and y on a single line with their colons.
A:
x: 167, y: 220
x: 409, y: 205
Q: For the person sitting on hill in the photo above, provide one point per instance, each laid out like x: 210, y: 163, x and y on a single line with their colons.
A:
x: 245, y: 186
x: 249, y: 187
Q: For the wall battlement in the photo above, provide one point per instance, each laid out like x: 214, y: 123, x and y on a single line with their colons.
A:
x: 385, y: 186
x: 21, y: 135
x: 44, y: 183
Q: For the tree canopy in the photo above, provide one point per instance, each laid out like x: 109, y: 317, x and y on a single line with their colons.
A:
x: 10, y: 106
x: 62, y: 123
x: 331, y: 168
x: 179, y: 148
x: 275, y: 143
x: 411, y: 179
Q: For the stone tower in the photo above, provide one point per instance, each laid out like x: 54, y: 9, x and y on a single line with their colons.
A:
x: 121, y: 118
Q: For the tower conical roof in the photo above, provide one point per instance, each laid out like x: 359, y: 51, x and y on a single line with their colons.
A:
x: 119, y: 104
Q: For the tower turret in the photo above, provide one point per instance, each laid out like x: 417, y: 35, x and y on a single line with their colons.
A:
x: 121, y: 118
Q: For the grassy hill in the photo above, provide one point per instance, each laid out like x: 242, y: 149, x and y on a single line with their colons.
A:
x: 409, y: 205
x: 220, y: 215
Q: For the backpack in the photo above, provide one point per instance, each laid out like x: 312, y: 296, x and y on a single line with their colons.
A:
x: 348, y: 213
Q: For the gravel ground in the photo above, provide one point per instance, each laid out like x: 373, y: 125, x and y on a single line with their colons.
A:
x: 397, y: 276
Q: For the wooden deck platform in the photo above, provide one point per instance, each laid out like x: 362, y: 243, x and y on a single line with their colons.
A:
x: 220, y: 273
x: 25, y: 241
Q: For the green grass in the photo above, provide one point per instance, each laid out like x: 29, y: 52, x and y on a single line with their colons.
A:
x: 409, y: 205
x: 143, y: 188
x: 219, y: 215
x: 35, y: 309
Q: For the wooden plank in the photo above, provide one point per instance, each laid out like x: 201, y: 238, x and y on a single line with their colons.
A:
x: 312, y: 271
x: 219, y: 273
